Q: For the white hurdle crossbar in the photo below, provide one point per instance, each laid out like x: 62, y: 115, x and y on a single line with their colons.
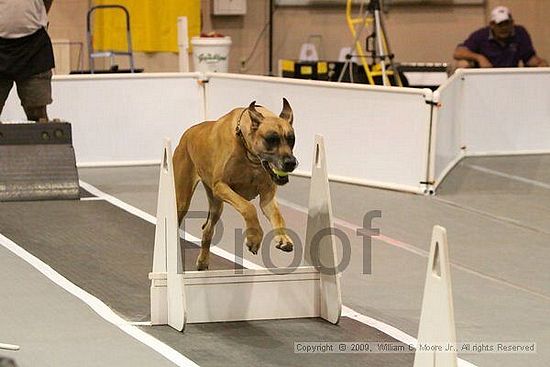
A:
x: 9, y: 346
x: 437, y: 324
x: 179, y: 297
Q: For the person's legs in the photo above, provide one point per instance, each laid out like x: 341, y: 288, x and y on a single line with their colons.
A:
x: 35, y: 94
x: 5, y: 87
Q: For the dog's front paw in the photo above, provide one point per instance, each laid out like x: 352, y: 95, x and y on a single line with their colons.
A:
x: 254, y: 240
x: 284, y: 243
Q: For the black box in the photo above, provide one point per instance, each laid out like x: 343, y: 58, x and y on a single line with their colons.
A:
x: 314, y: 70
x: 357, y: 72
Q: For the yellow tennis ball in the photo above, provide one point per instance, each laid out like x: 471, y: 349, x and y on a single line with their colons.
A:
x: 280, y: 173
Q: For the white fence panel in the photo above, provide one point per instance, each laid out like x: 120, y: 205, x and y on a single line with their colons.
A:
x: 490, y: 112
x: 374, y: 135
x: 507, y: 111
x: 122, y: 119
x: 447, y: 137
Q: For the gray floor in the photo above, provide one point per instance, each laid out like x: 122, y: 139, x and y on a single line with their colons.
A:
x: 271, y: 343
x: 495, y: 212
x: 55, y: 328
x: 107, y: 252
x: 95, y: 254
x: 499, y: 247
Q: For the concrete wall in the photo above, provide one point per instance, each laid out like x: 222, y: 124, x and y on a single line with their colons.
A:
x: 416, y: 33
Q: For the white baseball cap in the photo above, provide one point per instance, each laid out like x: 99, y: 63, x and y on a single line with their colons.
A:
x: 500, y: 14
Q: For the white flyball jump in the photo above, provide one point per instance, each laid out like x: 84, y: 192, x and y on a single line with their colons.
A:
x: 179, y: 297
x: 437, y: 323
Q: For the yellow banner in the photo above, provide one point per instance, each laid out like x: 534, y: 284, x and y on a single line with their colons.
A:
x: 153, y: 24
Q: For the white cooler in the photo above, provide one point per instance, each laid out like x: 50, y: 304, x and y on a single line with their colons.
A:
x: 211, y: 53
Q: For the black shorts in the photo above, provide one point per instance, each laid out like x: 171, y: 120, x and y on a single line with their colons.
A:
x: 21, y: 58
x: 34, y: 91
x: 27, y: 62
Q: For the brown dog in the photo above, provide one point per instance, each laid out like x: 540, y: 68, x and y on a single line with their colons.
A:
x: 246, y: 153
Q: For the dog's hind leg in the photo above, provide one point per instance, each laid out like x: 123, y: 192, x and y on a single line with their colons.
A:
x: 185, y: 179
x: 214, y: 212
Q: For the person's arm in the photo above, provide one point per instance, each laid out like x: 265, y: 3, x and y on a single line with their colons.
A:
x: 528, y: 54
x: 536, y: 61
x: 464, y: 53
x: 48, y: 5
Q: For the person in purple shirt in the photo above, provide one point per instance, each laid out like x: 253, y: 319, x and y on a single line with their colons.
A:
x: 502, y: 44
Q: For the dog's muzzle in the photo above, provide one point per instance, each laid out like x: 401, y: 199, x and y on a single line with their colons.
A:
x: 280, y: 176
x: 289, y: 163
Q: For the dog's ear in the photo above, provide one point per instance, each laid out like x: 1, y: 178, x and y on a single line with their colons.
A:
x: 255, y: 116
x: 286, y: 113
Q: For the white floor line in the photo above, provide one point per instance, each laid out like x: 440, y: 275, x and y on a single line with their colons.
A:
x: 9, y: 346
x: 98, y: 306
x: 390, y: 330
x: 140, y: 323
x: 509, y: 176
x: 417, y: 251
x: 354, y: 228
x: 387, y: 329
x: 493, y: 217
x: 346, y: 311
x: 95, y: 198
x: 152, y: 219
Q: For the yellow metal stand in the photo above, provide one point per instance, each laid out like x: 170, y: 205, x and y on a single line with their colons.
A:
x: 382, y: 65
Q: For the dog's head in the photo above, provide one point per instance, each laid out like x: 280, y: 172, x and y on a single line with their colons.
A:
x: 271, y: 138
